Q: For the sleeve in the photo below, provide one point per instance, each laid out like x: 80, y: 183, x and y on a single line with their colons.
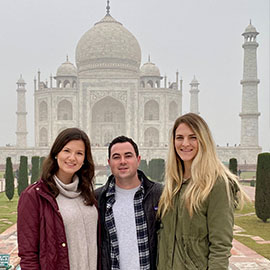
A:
x: 28, y: 227
x: 220, y: 218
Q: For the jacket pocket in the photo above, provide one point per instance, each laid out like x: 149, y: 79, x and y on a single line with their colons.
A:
x: 196, y: 259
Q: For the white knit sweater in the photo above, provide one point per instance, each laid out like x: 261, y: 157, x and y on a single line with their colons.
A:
x: 80, y: 223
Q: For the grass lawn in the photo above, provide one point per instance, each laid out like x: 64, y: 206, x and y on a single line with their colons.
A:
x: 247, y: 175
x: 255, y: 227
x: 8, y: 211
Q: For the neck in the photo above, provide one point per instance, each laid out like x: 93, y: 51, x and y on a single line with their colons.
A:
x: 128, y: 183
x: 187, y: 172
x: 66, y: 179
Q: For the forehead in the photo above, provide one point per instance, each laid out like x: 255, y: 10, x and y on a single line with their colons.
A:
x: 183, y: 128
x: 76, y: 144
x: 122, y: 148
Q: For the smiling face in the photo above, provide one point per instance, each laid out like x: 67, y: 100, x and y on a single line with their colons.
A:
x: 124, y: 164
x: 70, y: 159
x: 186, y: 144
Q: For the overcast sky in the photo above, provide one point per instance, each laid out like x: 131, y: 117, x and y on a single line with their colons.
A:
x: 195, y: 37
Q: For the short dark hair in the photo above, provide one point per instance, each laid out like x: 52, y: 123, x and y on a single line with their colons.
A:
x: 123, y: 139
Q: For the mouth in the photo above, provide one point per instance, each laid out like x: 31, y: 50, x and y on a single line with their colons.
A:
x: 70, y: 164
x: 186, y: 150
x: 123, y: 169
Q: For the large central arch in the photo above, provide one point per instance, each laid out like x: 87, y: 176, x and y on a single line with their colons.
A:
x: 108, y: 121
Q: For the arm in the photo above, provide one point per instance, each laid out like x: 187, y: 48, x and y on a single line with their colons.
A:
x: 28, y: 227
x: 220, y: 221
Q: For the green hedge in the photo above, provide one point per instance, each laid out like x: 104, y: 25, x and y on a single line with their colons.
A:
x: 262, y: 193
x: 9, y: 177
x: 23, y: 175
x: 233, y: 165
x: 144, y: 166
x: 35, y: 169
x: 156, y: 169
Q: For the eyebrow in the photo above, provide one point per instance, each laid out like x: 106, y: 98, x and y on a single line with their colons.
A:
x: 80, y: 150
x: 126, y: 153
x: 192, y: 134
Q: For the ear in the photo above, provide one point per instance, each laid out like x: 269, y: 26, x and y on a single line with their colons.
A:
x: 109, y: 162
x: 139, y: 160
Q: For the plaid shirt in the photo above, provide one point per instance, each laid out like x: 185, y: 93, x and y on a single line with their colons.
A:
x: 141, y: 227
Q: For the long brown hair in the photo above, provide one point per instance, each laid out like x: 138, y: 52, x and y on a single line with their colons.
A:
x: 85, y: 173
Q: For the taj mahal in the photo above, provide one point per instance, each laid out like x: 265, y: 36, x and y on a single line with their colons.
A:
x: 109, y: 92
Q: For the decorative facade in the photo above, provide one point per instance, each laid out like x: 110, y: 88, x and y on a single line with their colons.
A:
x: 109, y: 93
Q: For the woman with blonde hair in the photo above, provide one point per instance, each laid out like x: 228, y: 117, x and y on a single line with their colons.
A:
x: 197, y: 204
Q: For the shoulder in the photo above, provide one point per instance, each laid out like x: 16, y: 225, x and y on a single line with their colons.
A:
x: 153, y: 190
x: 221, y: 191
x: 32, y: 189
x: 101, y: 190
x: 157, y: 188
x: 98, y: 191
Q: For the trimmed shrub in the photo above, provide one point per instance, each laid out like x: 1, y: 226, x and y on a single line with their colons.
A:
x: 262, y: 192
x: 23, y: 175
x: 156, y: 169
x: 9, y: 177
x: 41, y: 160
x: 144, y: 167
x: 252, y: 183
x: 35, y: 169
x: 233, y: 165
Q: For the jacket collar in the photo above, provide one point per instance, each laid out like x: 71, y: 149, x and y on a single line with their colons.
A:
x: 146, y: 183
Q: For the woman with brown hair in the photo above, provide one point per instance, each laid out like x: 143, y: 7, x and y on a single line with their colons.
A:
x: 57, y: 216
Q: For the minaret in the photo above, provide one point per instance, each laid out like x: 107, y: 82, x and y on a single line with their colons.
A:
x: 249, y: 114
x: 194, y: 99
x: 21, y: 115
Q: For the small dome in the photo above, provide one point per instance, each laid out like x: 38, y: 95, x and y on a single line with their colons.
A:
x: 250, y: 29
x: 194, y: 81
x: 21, y: 80
x: 67, y: 69
x: 108, y: 45
x: 149, y: 70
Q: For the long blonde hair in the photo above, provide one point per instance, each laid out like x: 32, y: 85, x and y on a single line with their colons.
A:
x: 205, y: 169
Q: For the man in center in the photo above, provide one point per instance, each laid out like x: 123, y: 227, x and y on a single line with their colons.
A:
x: 128, y: 205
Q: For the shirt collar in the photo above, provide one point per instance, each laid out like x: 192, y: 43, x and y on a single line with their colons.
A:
x: 111, y: 187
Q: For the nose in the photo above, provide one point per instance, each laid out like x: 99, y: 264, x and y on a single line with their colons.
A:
x: 72, y: 156
x: 123, y: 160
x: 185, y: 141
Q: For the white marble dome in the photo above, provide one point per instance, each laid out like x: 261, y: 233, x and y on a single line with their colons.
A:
x: 149, y: 69
x: 66, y: 69
x: 108, y: 45
x: 250, y: 29
x: 21, y: 80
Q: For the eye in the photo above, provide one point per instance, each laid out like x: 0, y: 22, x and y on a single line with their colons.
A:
x: 80, y: 153
x: 193, y: 138
x: 66, y: 150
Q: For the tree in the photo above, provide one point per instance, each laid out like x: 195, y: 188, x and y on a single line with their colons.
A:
x: 41, y: 160
x: 23, y: 175
x: 144, y: 167
x: 35, y: 169
x: 156, y: 169
x: 262, y: 192
x: 9, y: 177
x: 233, y: 165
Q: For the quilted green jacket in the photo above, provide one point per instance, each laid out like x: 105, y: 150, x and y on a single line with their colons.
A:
x: 201, y: 242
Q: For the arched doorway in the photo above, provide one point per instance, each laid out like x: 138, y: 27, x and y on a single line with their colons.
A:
x: 108, y: 121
